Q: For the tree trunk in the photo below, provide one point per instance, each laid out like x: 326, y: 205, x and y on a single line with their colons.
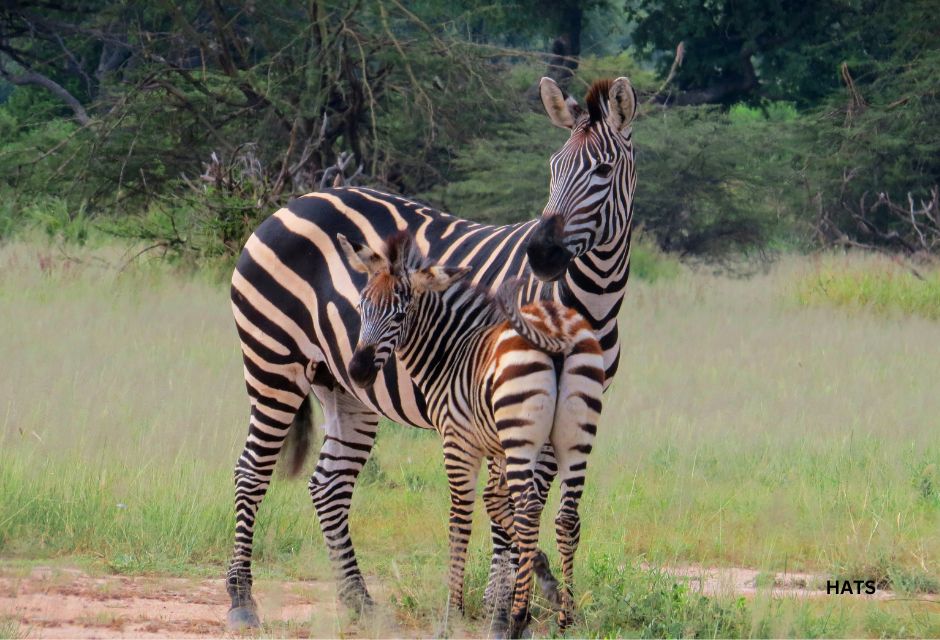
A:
x: 567, y: 46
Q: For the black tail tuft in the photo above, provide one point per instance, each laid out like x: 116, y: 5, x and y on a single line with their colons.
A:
x: 297, y: 443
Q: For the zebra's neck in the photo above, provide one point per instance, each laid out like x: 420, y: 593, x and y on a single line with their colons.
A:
x: 440, y: 332
x: 595, y: 283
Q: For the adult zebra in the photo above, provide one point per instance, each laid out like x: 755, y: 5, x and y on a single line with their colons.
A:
x: 294, y: 300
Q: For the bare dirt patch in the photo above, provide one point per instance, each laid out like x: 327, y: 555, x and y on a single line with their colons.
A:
x: 68, y: 603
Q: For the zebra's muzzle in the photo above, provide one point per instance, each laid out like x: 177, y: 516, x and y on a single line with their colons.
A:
x: 547, y: 254
x: 362, y: 368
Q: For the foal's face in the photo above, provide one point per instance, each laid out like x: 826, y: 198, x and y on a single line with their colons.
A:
x: 386, y: 302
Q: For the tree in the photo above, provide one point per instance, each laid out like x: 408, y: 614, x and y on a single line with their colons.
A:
x: 749, y: 50
x: 229, y: 108
x: 516, y: 23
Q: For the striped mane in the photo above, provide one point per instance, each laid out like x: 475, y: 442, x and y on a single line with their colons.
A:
x: 400, y: 248
x: 597, y: 99
x: 401, y: 245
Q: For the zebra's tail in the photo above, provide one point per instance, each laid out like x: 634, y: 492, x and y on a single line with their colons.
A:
x: 297, y: 443
x: 541, y: 338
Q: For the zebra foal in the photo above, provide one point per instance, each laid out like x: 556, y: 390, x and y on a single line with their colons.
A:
x: 500, y: 382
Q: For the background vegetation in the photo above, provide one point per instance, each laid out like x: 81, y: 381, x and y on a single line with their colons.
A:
x: 786, y: 125
x: 786, y: 421
x: 747, y: 429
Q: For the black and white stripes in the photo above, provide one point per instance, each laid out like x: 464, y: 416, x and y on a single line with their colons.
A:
x: 494, y: 390
x: 294, y: 300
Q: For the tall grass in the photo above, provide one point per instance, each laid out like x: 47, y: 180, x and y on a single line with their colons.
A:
x: 872, y: 283
x: 741, y: 430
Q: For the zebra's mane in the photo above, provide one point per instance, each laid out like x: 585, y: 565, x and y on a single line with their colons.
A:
x: 597, y: 99
x: 401, y: 251
x: 401, y: 248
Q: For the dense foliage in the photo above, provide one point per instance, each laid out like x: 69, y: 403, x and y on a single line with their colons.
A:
x: 185, y: 124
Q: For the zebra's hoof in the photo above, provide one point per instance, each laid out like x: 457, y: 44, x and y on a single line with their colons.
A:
x: 520, y: 628
x: 547, y: 582
x: 242, y: 618
x: 358, y: 600
x: 499, y: 627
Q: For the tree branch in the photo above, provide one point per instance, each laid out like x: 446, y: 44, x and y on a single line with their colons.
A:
x: 35, y: 78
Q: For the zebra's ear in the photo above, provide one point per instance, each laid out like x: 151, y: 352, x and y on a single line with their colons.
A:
x: 362, y: 258
x: 622, y: 99
x: 437, y: 278
x: 561, y: 110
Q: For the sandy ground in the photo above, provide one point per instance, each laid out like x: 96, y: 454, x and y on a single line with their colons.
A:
x: 68, y: 603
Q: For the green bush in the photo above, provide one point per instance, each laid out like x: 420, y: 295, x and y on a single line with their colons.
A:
x: 877, y: 137
x: 712, y: 183
x: 652, y: 604
x: 504, y: 177
x: 648, y: 262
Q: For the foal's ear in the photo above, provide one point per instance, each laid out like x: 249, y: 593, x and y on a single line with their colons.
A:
x: 437, y: 278
x: 362, y: 258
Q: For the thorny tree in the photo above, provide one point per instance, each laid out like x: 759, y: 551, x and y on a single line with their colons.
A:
x: 268, y: 93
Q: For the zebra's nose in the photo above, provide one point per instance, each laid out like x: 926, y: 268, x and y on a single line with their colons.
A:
x: 362, y: 369
x: 548, y: 256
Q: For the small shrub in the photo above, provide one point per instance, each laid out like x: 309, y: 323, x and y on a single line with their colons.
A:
x: 653, y: 604
x: 925, y: 478
x: 913, y: 581
x: 372, y: 472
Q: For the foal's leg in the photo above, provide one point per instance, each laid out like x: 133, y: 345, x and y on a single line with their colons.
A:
x: 523, y: 422
x: 498, y: 594
x: 462, y: 464
x: 580, y: 389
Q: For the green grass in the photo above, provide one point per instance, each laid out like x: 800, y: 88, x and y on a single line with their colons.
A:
x: 742, y: 430
x: 873, y: 283
x: 649, y: 263
x: 10, y: 628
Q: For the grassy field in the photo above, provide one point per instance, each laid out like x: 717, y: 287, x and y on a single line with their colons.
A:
x: 751, y: 425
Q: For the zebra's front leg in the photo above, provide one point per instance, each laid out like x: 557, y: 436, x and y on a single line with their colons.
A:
x: 272, y: 414
x: 350, y: 433
x: 462, y: 464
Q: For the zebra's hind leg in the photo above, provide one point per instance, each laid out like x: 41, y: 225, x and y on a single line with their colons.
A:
x: 545, y: 471
x: 580, y: 390
x: 350, y: 433
x: 497, y: 597
x: 276, y: 395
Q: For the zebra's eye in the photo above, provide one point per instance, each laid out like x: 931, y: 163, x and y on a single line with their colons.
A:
x: 603, y: 170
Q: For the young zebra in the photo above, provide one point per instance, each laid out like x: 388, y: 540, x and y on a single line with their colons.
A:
x: 500, y: 383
